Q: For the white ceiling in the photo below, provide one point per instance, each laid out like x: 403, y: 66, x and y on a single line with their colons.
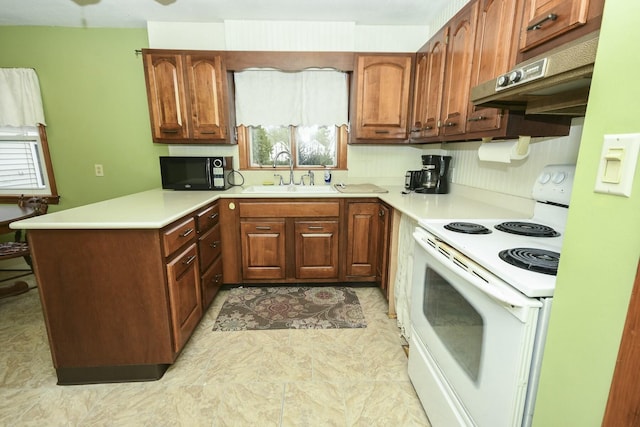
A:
x: 136, y: 13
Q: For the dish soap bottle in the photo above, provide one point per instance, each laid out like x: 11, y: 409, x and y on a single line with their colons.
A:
x: 327, y: 175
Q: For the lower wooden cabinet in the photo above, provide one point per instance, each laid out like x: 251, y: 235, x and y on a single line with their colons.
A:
x: 183, y: 277
x: 316, y: 249
x: 211, y: 282
x: 302, y: 240
x: 263, y: 249
x: 120, y: 304
x: 367, y: 243
x: 209, y: 251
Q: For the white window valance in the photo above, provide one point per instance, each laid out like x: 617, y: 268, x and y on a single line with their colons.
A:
x: 20, y: 100
x: 305, y: 98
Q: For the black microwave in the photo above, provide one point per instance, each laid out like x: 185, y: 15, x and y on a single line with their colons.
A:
x: 196, y: 173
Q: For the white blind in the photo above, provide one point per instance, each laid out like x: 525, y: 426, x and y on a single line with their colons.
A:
x: 310, y: 97
x: 20, y: 162
x: 20, y: 100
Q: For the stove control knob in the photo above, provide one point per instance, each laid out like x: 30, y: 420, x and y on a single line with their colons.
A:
x: 558, y: 177
x: 503, y: 80
x: 515, y: 76
x: 544, y: 178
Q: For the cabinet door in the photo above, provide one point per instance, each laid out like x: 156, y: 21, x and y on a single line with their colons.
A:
x: 184, y: 295
x: 263, y: 249
x: 382, y: 97
x: 434, y: 84
x: 210, y: 247
x: 166, y: 95
x: 211, y: 282
x: 316, y: 248
x: 362, y: 239
x: 419, y: 94
x: 495, y: 53
x: 548, y: 19
x: 206, y: 92
x: 458, y: 71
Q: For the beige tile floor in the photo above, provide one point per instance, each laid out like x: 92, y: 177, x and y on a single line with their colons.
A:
x: 345, y: 377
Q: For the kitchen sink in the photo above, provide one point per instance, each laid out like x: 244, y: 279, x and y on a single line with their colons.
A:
x: 288, y: 189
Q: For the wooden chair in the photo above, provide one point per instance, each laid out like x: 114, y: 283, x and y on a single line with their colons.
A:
x: 19, y: 248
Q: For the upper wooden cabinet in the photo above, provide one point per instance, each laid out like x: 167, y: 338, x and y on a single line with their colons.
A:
x: 549, y: 23
x: 458, y: 70
x: 443, y: 73
x: 429, y: 87
x: 481, y: 43
x: 380, y: 109
x: 187, y: 94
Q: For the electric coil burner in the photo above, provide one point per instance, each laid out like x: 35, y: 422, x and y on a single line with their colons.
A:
x: 527, y: 229
x: 533, y: 259
x: 524, y: 252
x: 467, y: 228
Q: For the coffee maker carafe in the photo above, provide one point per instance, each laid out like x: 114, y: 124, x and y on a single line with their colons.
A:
x: 435, y: 170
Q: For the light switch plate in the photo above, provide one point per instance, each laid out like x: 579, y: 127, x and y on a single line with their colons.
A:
x: 618, y: 164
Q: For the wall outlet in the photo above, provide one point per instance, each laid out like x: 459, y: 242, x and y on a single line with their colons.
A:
x: 99, y: 170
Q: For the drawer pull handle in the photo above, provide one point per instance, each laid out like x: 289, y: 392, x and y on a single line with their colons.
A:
x: 449, y: 124
x: 477, y: 119
x: 215, y: 244
x: 538, y: 25
x: 263, y: 227
x: 187, y: 232
x: 427, y: 128
x: 381, y: 131
x: 208, y: 132
x: 214, y: 216
x: 217, y: 278
x: 189, y: 260
x: 169, y: 130
x: 316, y: 227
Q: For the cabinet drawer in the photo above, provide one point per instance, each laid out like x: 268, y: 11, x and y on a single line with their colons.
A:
x: 210, y: 247
x: 207, y: 218
x: 545, y: 20
x: 289, y: 209
x: 177, y: 235
x: 182, y: 263
x: 211, y: 282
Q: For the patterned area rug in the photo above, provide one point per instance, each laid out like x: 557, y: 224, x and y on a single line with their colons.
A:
x: 290, y: 307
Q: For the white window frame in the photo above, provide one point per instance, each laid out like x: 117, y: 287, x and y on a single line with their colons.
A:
x: 36, y: 153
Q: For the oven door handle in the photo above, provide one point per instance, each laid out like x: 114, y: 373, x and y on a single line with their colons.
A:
x: 483, y: 281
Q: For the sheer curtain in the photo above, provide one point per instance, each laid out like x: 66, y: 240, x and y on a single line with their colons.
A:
x: 305, y: 98
x: 20, y: 100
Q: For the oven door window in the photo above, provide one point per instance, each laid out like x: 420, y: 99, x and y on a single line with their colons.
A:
x: 458, y: 325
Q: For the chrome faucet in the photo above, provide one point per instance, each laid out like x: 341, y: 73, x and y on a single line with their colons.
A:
x: 275, y: 159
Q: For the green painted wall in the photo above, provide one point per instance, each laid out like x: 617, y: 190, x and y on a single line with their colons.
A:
x: 95, y: 106
x: 602, y: 243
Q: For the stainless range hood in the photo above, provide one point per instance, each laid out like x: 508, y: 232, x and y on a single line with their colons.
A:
x: 554, y: 83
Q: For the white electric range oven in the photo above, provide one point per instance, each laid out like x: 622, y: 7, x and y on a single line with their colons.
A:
x: 480, y: 303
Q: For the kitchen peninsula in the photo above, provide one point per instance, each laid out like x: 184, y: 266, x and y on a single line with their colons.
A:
x: 124, y: 282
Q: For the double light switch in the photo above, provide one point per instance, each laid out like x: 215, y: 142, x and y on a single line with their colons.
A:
x: 618, y: 164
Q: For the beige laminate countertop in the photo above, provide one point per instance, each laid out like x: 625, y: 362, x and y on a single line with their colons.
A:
x: 157, y: 208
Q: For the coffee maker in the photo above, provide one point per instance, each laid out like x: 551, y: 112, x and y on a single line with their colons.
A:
x: 432, y: 178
